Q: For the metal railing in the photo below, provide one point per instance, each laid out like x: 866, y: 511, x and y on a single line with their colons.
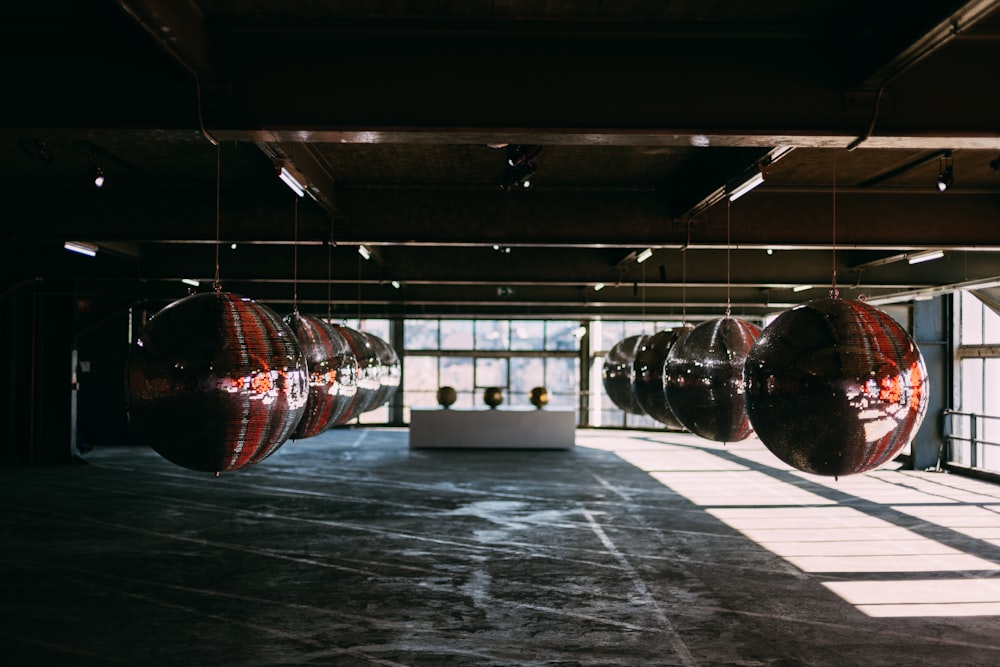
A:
x: 976, y: 444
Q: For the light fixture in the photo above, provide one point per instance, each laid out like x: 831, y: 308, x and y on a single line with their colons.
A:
x: 598, y: 287
x: 292, y: 179
x: 946, y: 173
x: 801, y: 288
x: 520, y: 166
x: 395, y: 283
x: 364, y: 251
x: 191, y: 281
x: 520, y: 154
x: 925, y: 256
x: 744, y: 183
x: 770, y: 251
x: 644, y: 255
x: 232, y: 246
x: 88, y: 249
x: 98, y: 177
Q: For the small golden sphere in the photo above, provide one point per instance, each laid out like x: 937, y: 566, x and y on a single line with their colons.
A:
x: 539, y: 397
x: 446, y: 396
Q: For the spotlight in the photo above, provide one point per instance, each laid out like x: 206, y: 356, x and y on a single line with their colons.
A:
x: 770, y: 251
x: 518, y: 176
x: 98, y: 177
x: 644, y: 255
x: 364, y: 251
x: 946, y: 173
x: 924, y: 256
x: 88, y: 249
x: 232, y: 246
x: 395, y: 283
x: 744, y: 183
x: 598, y: 287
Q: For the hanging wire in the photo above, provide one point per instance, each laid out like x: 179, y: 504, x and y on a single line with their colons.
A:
x: 359, y: 291
x: 295, y: 259
x: 834, y: 292
x: 684, y: 270
x: 217, y: 284
x: 729, y: 301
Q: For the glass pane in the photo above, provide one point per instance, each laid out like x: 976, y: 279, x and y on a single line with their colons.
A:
x: 419, y: 374
x: 561, y: 335
x: 562, y: 376
x: 611, y: 333
x: 636, y: 328
x: 972, y: 385
x: 457, y: 372
x: 527, y: 335
x: 378, y: 328
x: 420, y: 334
x: 492, y: 334
x: 467, y: 401
x: 526, y: 374
x: 491, y: 373
x: 991, y: 326
x: 972, y: 320
x: 456, y: 334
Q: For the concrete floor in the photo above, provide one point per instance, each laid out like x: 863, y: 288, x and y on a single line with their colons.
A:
x: 642, y: 548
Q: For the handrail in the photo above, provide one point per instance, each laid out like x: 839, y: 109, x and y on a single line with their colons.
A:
x: 973, y: 438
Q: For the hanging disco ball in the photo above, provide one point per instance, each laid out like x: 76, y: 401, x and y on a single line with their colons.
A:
x: 216, y: 382
x: 835, y: 387
x: 328, y: 361
x: 391, y: 371
x: 647, y: 374
x: 618, y: 374
x: 703, y: 379
x: 369, y: 372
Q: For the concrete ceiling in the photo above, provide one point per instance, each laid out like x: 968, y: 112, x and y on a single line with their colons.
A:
x: 396, y: 117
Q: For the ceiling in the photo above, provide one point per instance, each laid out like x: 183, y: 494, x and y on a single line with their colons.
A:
x: 396, y: 116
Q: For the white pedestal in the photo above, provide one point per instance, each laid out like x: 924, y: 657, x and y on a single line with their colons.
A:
x: 509, y: 429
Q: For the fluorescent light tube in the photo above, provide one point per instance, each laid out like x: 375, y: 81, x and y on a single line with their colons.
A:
x: 925, y: 256
x: 291, y: 181
x: 364, y: 252
x: 190, y: 281
x: 598, y: 287
x: 801, y: 288
x: 395, y: 283
x: 88, y: 249
x: 644, y: 255
x: 746, y: 185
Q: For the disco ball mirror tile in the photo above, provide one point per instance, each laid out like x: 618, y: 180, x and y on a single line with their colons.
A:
x: 216, y: 382
x: 835, y: 387
x: 703, y: 379
x: 647, y: 374
x: 617, y: 374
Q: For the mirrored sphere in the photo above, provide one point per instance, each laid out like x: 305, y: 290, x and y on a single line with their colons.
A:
x: 703, y: 379
x: 835, y: 387
x: 618, y: 374
x: 347, y: 376
x: 493, y: 396
x: 647, y: 374
x: 369, y: 371
x: 216, y: 382
x: 391, y: 371
x: 323, y: 350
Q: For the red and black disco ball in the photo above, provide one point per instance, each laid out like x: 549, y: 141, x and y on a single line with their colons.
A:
x: 324, y: 351
x: 369, y: 370
x: 703, y: 379
x: 216, y: 382
x: 618, y: 374
x: 835, y: 387
x: 647, y: 374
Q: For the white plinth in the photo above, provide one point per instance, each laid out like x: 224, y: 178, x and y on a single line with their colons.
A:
x: 510, y: 429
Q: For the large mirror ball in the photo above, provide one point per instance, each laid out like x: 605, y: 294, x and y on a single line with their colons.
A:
x: 703, y: 379
x: 647, y: 374
x: 835, y: 387
x: 216, y: 381
x: 323, y: 349
x: 617, y: 375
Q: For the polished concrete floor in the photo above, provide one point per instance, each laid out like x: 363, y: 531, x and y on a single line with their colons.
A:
x: 642, y: 548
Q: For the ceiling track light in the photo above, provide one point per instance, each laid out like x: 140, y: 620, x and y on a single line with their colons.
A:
x: 292, y: 178
x: 364, y: 251
x: 644, y: 255
x: 98, y: 177
x: 946, y: 172
x: 745, y: 182
x: 925, y: 256
x: 599, y: 286
x: 81, y: 247
x: 521, y: 154
x: 395, y: 284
